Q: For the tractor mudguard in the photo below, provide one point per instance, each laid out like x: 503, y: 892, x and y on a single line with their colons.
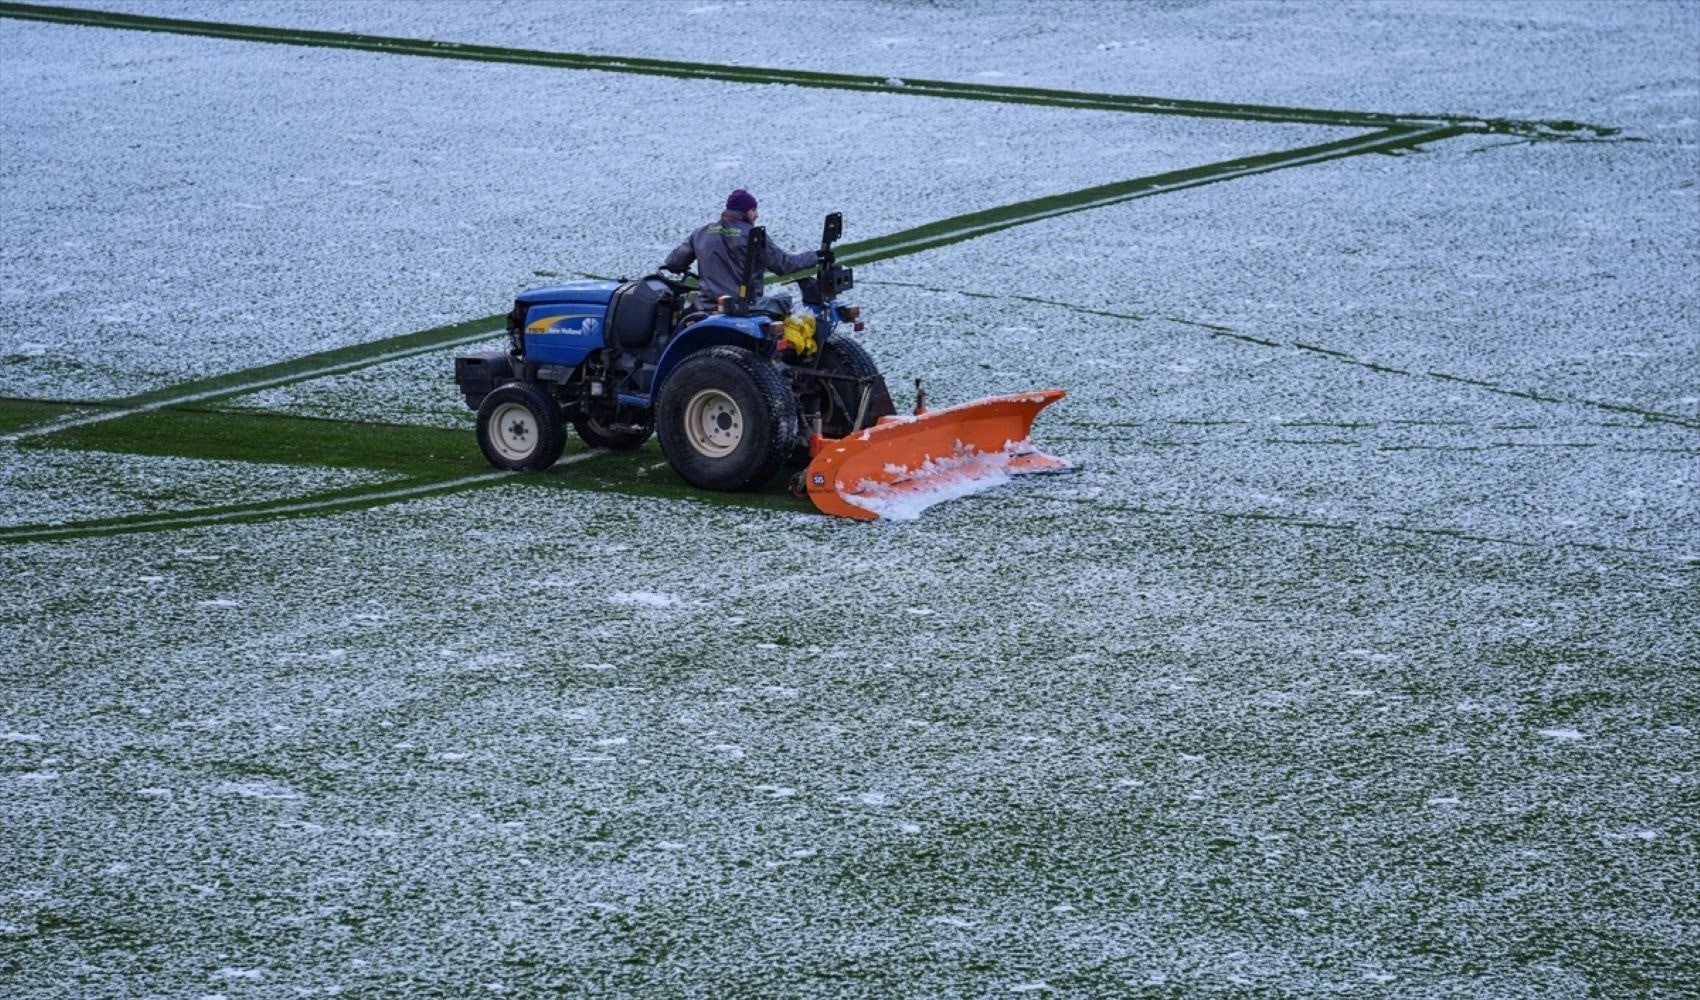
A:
x: 715, y: 331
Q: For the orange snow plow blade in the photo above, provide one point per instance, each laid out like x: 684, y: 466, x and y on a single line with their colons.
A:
x: 903, y: 465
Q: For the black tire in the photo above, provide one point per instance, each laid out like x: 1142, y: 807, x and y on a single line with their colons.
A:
x: 838, y: 401
x: 597, y: 435
x: 520, y: 428
x: 726, y: 419
x: 843, y: 356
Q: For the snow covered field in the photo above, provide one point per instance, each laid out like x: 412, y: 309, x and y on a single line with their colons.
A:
x: 1361, y: 658
x: 244, y: 207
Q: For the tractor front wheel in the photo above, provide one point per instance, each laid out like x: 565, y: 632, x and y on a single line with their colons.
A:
x: 726, y: 419
x: 520, y: 428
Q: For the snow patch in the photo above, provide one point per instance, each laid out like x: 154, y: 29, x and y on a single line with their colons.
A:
x: 258, y: 790
x: 644, y: 599
x: 1645, y: 836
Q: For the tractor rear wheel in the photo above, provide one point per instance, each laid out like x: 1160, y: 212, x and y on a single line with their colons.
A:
x: 726, y: 419
x: 520, y: 428
x: 843, y: 356
x: 837, y: 400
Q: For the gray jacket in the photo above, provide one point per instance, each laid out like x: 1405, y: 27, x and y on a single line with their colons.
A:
x: 718, y: 249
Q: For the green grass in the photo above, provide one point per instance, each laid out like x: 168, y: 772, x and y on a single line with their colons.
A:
x: 427, y: 461
x: 17, y: 414
x: 268, y: 437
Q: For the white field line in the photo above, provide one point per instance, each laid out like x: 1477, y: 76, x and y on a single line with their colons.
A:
x: 193, y: 520
x: 240, y: 389
x: 1337, y: 152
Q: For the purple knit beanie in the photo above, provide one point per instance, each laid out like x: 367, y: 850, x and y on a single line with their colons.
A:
x: 740, y: 201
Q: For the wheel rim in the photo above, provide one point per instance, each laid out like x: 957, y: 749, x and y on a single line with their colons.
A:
x: 713, y: 423
x: 513, y: 432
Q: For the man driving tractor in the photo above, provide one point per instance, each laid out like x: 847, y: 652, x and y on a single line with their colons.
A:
x: 719, y: 249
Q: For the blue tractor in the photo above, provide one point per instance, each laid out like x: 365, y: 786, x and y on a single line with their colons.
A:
x: 736, y: 389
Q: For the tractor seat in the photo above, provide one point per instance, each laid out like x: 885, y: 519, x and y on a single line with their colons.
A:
x: 639, y: 314
x: 775, y: 306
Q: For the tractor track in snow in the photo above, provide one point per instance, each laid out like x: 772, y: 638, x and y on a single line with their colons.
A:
x: 330, y: 502
x: 975, y: 224
x: 339, y: 361
x: 733, y: 73
x: 1687, y: 563
x: 1346, y: 442
x: 1216, y: 330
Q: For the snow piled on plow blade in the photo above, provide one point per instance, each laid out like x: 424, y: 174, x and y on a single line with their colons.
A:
x: 964, y: 473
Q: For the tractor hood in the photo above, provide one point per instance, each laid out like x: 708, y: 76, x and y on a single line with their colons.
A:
x: 585, y: 292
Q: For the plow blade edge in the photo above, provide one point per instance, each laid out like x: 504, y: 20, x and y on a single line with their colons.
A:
x: 905, y: 464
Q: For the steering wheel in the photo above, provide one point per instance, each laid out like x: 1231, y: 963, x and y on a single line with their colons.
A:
x: 687, y: 283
